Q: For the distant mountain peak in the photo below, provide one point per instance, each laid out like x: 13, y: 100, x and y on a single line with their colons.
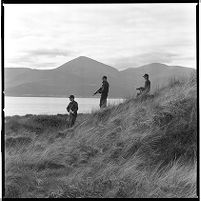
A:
x: 85, y: 65
x: 83, y: 57
x: 154, y: 64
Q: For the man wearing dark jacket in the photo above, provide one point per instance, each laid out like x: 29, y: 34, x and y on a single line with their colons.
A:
x: 72, y: 108
x: 146, y: 89
x: 104, y: 92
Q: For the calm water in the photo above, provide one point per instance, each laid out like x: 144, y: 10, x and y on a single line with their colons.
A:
x: 49, y: 105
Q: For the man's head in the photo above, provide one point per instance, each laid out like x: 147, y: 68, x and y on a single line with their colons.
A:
x: 71, y: 97
x: 104, y: 78
x: 146, y: 76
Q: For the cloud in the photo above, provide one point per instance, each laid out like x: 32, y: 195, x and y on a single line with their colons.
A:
x: 48, y: 52
x: 152, y: 57
x: 49, y: 65
x: 115, y: 34
x: 24, y: 61
x: 137, y: 60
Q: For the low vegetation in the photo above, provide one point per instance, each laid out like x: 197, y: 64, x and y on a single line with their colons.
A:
x: 141, y: 148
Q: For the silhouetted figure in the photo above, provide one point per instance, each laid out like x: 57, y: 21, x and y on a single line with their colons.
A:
x: 72, y: 108
x: 146, y: 89
x: 104, y: 92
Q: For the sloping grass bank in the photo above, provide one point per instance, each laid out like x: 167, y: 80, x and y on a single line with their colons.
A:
x: 145, y: 147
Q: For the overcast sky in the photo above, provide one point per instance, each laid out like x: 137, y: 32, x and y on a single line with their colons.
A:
x: 120, y: 35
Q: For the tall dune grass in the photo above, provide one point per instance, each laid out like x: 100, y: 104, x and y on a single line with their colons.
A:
x: 141, y: 148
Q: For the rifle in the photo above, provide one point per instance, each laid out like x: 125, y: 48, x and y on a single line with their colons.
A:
x: 140, y: 88
x: 98, y: 91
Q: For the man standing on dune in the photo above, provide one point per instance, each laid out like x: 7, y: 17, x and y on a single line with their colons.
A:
x: 104, y: 92
x: 72, y: 108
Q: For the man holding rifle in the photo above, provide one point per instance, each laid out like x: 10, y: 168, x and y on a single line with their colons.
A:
x: 104, y: 92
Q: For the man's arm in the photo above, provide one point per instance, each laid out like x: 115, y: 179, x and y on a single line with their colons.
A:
x: 105, y: 87
x: 140, y: 88
x: 98, y: 91
x: 68, y: 107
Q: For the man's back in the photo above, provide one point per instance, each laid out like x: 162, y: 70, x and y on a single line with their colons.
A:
x: 147, y: 86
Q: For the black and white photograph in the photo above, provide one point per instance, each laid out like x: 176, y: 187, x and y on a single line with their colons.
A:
x: 100, y: 100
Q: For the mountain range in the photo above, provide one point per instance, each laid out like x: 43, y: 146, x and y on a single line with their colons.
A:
x: 82, y: 77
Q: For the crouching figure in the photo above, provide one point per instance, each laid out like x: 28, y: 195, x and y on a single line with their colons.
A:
x: 146, y: 89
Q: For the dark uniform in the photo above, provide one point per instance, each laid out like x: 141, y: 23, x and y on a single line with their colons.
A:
x: 147, y: 87
x: 104, y: 93
x: 73, y: 106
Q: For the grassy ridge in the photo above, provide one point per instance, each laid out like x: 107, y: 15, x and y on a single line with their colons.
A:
x: 140, y: 148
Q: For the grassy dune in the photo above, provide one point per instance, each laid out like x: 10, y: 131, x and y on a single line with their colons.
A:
x: 141, y: 148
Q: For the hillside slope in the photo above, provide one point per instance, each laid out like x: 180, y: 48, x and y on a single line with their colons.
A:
x: 142, y: 148
x: 160, y: 75
x: 82, y: 76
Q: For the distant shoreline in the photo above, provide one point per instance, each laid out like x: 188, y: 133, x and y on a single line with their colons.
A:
x: 44, y: 115
x: 50, y: 105
x: 59, y: 97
